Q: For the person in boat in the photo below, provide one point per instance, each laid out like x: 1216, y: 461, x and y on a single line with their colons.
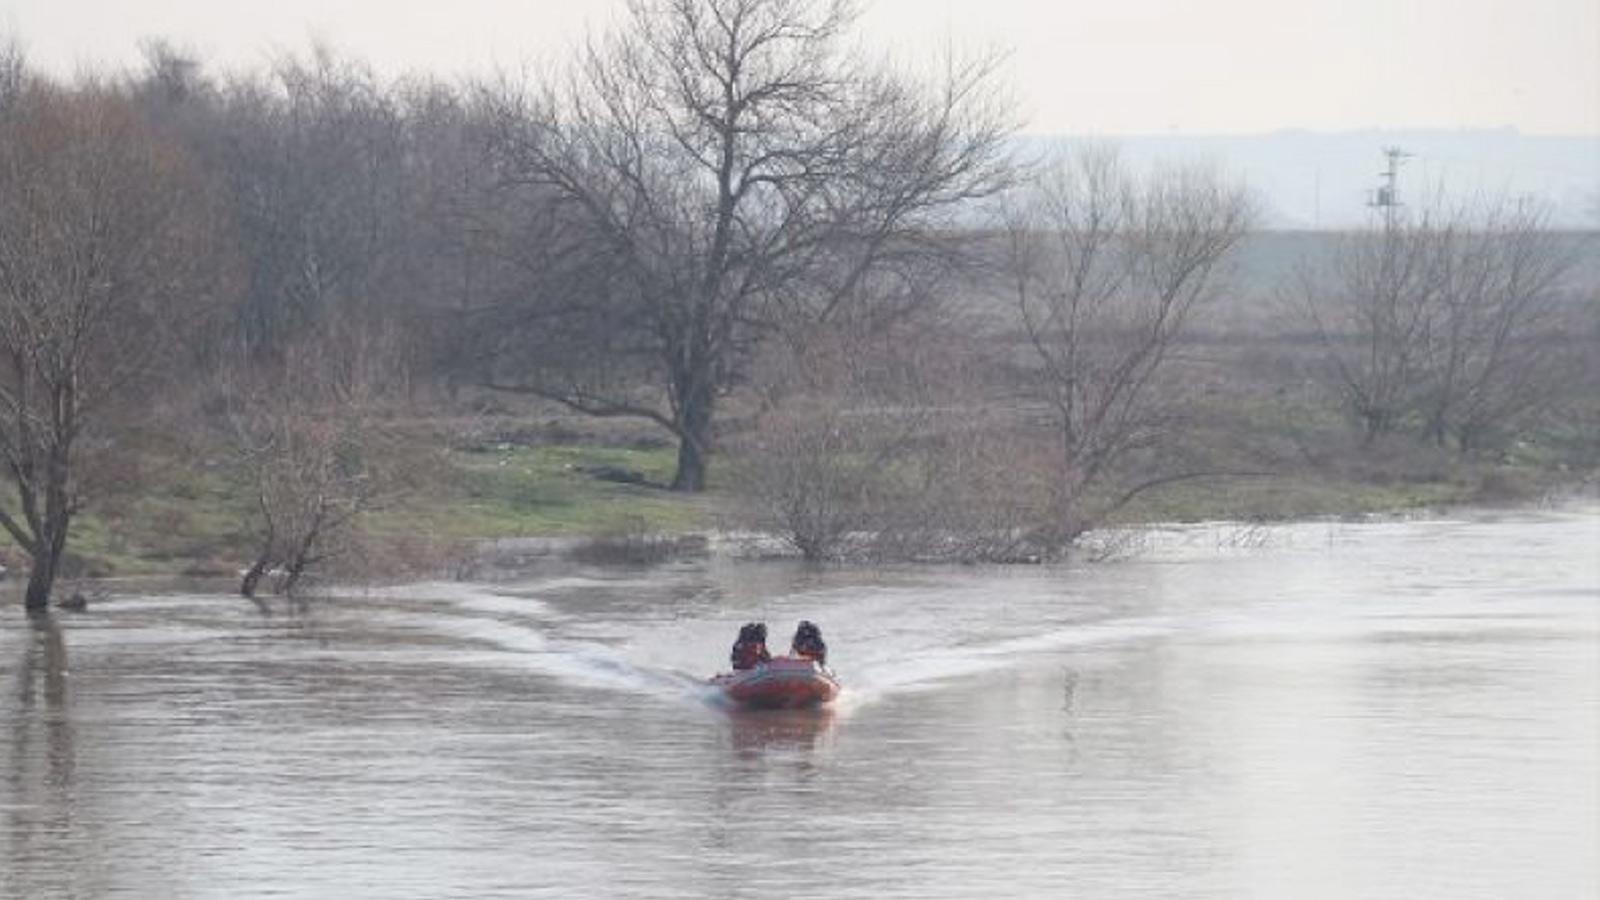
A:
x: 808, y: 644
x: 751, y: 648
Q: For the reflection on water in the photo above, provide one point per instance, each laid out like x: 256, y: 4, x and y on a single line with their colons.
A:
x: 1394, y: 709
x: 754, y: 731
x: 40, y: 813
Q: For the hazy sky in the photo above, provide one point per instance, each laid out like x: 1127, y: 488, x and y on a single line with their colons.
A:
x: 1112, y: 67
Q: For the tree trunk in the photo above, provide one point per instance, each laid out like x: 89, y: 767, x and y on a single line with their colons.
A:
x: 252, y: 578
x: 1438, y: 433
x: 293, y: 579
x: 50, y: 547
x: 691, y: 474
x: 694, y: 433
x: 1375, y: 424
x: 42, y: 577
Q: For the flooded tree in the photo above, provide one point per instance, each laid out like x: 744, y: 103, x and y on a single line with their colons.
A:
x: 830, y: 456
x: 714, y: 171
x: 882, y: 445
x: 1107, y: 271
x: 310, y: 428
x: 105, y: 238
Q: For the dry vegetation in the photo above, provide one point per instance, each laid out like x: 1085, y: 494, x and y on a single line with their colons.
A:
x: 260, y: 321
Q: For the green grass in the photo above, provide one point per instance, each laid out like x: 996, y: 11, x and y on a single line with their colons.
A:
x: 1309, y: 462
x: 197, y: 519
x: 176, y: 520
x: 524, y: 491
x: 1286, y: 497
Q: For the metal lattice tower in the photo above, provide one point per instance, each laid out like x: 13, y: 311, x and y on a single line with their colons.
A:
x: 1387, y: 196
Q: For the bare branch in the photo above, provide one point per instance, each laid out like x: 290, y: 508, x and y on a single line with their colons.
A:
x: 735, y: 171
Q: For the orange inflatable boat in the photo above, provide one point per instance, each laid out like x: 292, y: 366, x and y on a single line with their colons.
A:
x: 783, y: 682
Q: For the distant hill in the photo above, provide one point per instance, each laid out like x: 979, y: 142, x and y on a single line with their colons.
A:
x: 1322, y: 180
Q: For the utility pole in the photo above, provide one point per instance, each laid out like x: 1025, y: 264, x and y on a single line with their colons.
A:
x: 1387, y: 197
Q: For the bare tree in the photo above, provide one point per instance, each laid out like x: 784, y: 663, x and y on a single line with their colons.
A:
x: 840, y: 423
x: 313, y: 160
x: 882, y: 445
x: 1497, y: 357
x: 718, y: 169
x: 1107, y: 272
x: 1371, y: 305
x: 310, y: 426
x: 1443, y: 319
x: 104, y: 242
x: 13, y: 73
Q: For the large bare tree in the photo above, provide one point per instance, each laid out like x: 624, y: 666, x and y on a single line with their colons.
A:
x: 1499, y: 358
x: 104, y: 242
x: 1371, y: 304
x: 1445, y: 319
x: 1108, y: 270
x: 712, y: 171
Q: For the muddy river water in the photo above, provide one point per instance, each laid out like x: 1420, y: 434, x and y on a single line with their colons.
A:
x: 1395, y: 709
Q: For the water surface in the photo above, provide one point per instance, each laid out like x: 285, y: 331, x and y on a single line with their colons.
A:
x: 1393, y: 709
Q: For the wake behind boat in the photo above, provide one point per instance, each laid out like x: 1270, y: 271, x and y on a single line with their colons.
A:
x: 783, y: 682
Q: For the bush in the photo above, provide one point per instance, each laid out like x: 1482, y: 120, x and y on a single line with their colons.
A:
x: 632, y: 543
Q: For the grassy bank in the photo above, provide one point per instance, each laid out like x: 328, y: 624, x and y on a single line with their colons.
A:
x: 1300, y: 459
x: 194, y: 517
x: 190, y: 513
x: 1311, y: 495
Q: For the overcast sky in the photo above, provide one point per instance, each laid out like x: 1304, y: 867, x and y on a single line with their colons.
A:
x: 1117, y: 67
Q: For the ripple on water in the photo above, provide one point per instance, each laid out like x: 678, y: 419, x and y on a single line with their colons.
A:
x: 1394, y: 709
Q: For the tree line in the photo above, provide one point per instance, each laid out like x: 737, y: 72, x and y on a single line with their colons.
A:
x: 834, y: 272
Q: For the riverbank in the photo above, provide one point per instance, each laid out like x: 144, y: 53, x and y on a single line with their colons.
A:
x: 599, y: 494
x: 193, y: 514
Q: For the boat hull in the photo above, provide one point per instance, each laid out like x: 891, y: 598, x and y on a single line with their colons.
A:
x: 781, y: 683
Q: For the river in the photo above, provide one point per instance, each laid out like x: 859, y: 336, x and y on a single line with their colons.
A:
x: 1379, y: 709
